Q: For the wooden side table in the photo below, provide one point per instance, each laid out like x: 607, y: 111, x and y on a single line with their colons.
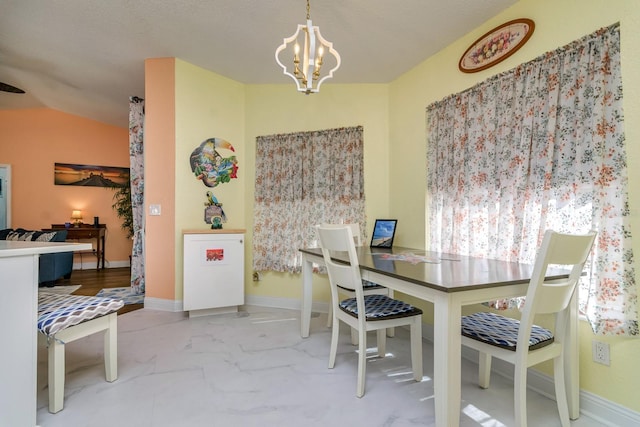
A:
x: 87, y: 232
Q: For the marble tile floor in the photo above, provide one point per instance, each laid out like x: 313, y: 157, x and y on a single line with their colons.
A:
x: 251, y: 368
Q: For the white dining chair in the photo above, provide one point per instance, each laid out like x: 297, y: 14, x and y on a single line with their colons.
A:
x: 521, y: 342
x: 364, y: 312
x: 370, y: 288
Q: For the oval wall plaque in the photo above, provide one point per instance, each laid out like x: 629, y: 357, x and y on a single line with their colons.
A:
x: 496, y: 45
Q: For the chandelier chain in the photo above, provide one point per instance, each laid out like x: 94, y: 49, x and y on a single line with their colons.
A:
x: 308, y: 9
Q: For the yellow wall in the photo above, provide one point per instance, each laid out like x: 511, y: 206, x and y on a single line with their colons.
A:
x: 272, y: 109
x: 207, y: 106
x: 31, y: 141
x: 558, y: 22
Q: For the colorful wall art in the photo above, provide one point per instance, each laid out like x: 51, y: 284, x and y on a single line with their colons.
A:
x: 209, y: 165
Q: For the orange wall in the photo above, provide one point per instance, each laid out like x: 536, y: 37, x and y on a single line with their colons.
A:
x: 160, y: 177
x: 31, y: 141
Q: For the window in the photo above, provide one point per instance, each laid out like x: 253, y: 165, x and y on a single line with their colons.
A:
x: 540, y: 146
x: 304, y: 179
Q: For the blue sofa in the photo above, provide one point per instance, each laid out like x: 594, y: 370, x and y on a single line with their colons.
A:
x: 52, y: 266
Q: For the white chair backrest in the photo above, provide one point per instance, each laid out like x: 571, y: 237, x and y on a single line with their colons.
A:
x: 562, y: 251
x: 566, y: 251
x: 340, y: 238
x: 355, y: 231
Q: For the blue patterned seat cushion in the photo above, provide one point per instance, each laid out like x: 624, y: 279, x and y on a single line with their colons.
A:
x: 58, y: 311
x: 502, y: 331
x: 366, y: 285
x: 370, y: 285
x: 380, y: 307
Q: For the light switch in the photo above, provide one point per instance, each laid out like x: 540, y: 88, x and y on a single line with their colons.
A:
x: 155, y: 209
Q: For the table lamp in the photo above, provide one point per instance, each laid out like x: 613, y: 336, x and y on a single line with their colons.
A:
x: 76, y: 216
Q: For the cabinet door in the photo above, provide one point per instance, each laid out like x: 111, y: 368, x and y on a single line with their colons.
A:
x: 213, y: 271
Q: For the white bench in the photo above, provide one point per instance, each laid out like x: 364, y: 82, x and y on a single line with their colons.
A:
x: 66, y: 318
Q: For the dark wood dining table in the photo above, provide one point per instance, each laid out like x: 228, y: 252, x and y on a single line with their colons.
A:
x: 449, y: 282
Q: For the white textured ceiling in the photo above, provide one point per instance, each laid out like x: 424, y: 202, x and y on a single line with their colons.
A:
x: 86, y: 57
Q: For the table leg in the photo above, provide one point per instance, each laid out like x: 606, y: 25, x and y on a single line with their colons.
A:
x: 447, y: 361
x: 307, y: 291
x: 572, y: 360
x: 101, y: 254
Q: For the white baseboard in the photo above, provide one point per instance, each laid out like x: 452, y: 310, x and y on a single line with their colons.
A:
x: 92, y: 264
x: 286, y: 303
x: 609, y: 413
x: 162, y: 304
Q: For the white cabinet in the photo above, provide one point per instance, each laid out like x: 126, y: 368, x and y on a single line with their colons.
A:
x: 213, y: 271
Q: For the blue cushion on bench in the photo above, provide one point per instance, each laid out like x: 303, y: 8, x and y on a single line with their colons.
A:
x: 502, y: 331
x: 57, y: 312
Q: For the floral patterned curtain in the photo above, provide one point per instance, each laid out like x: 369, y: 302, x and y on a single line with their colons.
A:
x: 540, y: 146
x: 136, y: 150
x: 304, y: 179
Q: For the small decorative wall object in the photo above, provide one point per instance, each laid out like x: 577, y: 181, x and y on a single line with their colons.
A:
x: 213, y: 169
x: 496, y: 45
x: 213, y: 213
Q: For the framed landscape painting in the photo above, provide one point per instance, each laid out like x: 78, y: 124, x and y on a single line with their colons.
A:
x: 89, y: 175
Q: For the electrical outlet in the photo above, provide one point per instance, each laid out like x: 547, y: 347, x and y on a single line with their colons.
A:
x: 600, y: 352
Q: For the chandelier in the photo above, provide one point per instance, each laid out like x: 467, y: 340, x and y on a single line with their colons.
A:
x: 308, y: 71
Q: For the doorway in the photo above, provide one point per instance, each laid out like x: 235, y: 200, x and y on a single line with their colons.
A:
x: 5, y: 196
